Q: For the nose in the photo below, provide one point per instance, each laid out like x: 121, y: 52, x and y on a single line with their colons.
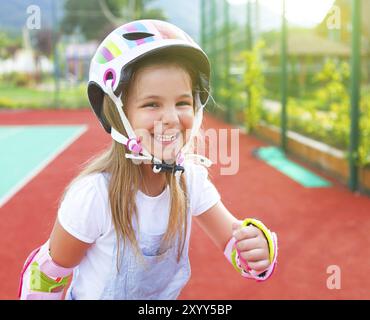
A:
x: 170, y: 116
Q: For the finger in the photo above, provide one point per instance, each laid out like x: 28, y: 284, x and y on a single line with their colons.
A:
x: 259, y: 265
x: 246, y: 233
x: 254, y: 255
x: 248, y: 244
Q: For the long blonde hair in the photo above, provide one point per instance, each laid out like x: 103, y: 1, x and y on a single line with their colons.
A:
x: 125, y: 177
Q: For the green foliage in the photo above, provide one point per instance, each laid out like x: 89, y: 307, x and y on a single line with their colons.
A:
x: 18, y: 79
x: 333, y: 82
x: 12, y: 97
x: 87, y: 16
x: 232, y: 97
x: 244, y: 94
x: 326, y: 118
x: 142, y: 10
x: 94, y: 18
x: 8, y: 45
x: 253, y: 81
x: 6, y: 103
x: 332, y: 96
x: 364, y: 147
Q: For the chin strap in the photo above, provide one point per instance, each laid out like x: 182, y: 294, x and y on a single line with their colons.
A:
x: 138, y: 152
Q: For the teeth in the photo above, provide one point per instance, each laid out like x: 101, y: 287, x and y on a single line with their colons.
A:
x: 161, y: 137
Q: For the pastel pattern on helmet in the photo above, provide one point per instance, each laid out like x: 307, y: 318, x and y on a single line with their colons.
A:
x: 170, y: 32
x: 158, y: 29
x: 133, y: 27
x: 108, y: 52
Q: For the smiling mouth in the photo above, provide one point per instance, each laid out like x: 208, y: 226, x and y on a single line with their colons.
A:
x: 164, y: 138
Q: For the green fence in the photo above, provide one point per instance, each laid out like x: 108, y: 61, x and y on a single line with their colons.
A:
x: 317, y: 92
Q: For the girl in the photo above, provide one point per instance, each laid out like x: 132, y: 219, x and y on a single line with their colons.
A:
x: 124, y: 223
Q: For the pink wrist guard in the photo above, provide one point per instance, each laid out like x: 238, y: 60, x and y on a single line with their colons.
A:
x: 41, y: 275
x: 232, y: 253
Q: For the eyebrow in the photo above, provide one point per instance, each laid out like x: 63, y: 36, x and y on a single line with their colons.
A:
x: 185, y: 95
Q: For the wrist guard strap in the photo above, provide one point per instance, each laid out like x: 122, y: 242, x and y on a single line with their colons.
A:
x: 233, y: 256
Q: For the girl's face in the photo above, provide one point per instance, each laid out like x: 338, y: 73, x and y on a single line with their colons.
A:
x: 160, y: 109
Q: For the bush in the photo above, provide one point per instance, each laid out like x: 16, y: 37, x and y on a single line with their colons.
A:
x: 364, y: 147
x: 253, y: 80
x: 331, y: 127
x: 6, y: 103
x: 333, y: 81
x: 32, y: 98
x: 18, y: 79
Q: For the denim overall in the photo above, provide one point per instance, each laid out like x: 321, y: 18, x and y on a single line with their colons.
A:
x: 160, y: 277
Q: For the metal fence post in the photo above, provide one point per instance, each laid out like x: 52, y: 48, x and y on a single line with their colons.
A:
x: 355, y: 94
x: 284, y: 79
x: 54, y: 35
x: 226, y: 49
x: 214, y: 45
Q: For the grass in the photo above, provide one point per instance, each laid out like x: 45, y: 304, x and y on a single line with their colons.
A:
x: 32, y: 98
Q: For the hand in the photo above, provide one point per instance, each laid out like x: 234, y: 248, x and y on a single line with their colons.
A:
x: 252, y: 246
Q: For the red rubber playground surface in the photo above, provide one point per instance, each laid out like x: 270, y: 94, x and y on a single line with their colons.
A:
x: 317, y: 227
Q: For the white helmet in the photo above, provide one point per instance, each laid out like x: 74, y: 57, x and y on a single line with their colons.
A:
x: 125, y: 46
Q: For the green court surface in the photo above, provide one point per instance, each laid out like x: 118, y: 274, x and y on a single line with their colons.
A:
x: 26, y: 150
x: 277, y: 159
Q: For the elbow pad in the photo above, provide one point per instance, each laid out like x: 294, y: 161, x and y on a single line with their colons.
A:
x: 232, y: 253
x: 41, y: 277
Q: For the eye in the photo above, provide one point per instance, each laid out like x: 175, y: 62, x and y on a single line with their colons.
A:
x: 150, y: 105
x: 183, y: 103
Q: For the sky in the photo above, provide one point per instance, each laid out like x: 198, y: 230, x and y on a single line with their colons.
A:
x: 305, y: 13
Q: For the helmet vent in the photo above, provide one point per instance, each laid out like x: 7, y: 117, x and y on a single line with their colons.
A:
x: 109, y: 76
x: 137, y: 35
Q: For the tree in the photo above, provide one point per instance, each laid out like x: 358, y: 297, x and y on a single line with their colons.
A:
x: 96, y: 18
x: 142, y: 11
x: 8, y: 46
x: 42, y: 46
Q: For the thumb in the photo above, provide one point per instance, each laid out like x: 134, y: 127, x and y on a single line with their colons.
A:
x: 236, y: 225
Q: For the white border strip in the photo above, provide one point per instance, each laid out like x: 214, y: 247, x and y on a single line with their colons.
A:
x: 44, y: 163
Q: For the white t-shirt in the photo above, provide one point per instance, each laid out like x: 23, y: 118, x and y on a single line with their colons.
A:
x: 86, y: 215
